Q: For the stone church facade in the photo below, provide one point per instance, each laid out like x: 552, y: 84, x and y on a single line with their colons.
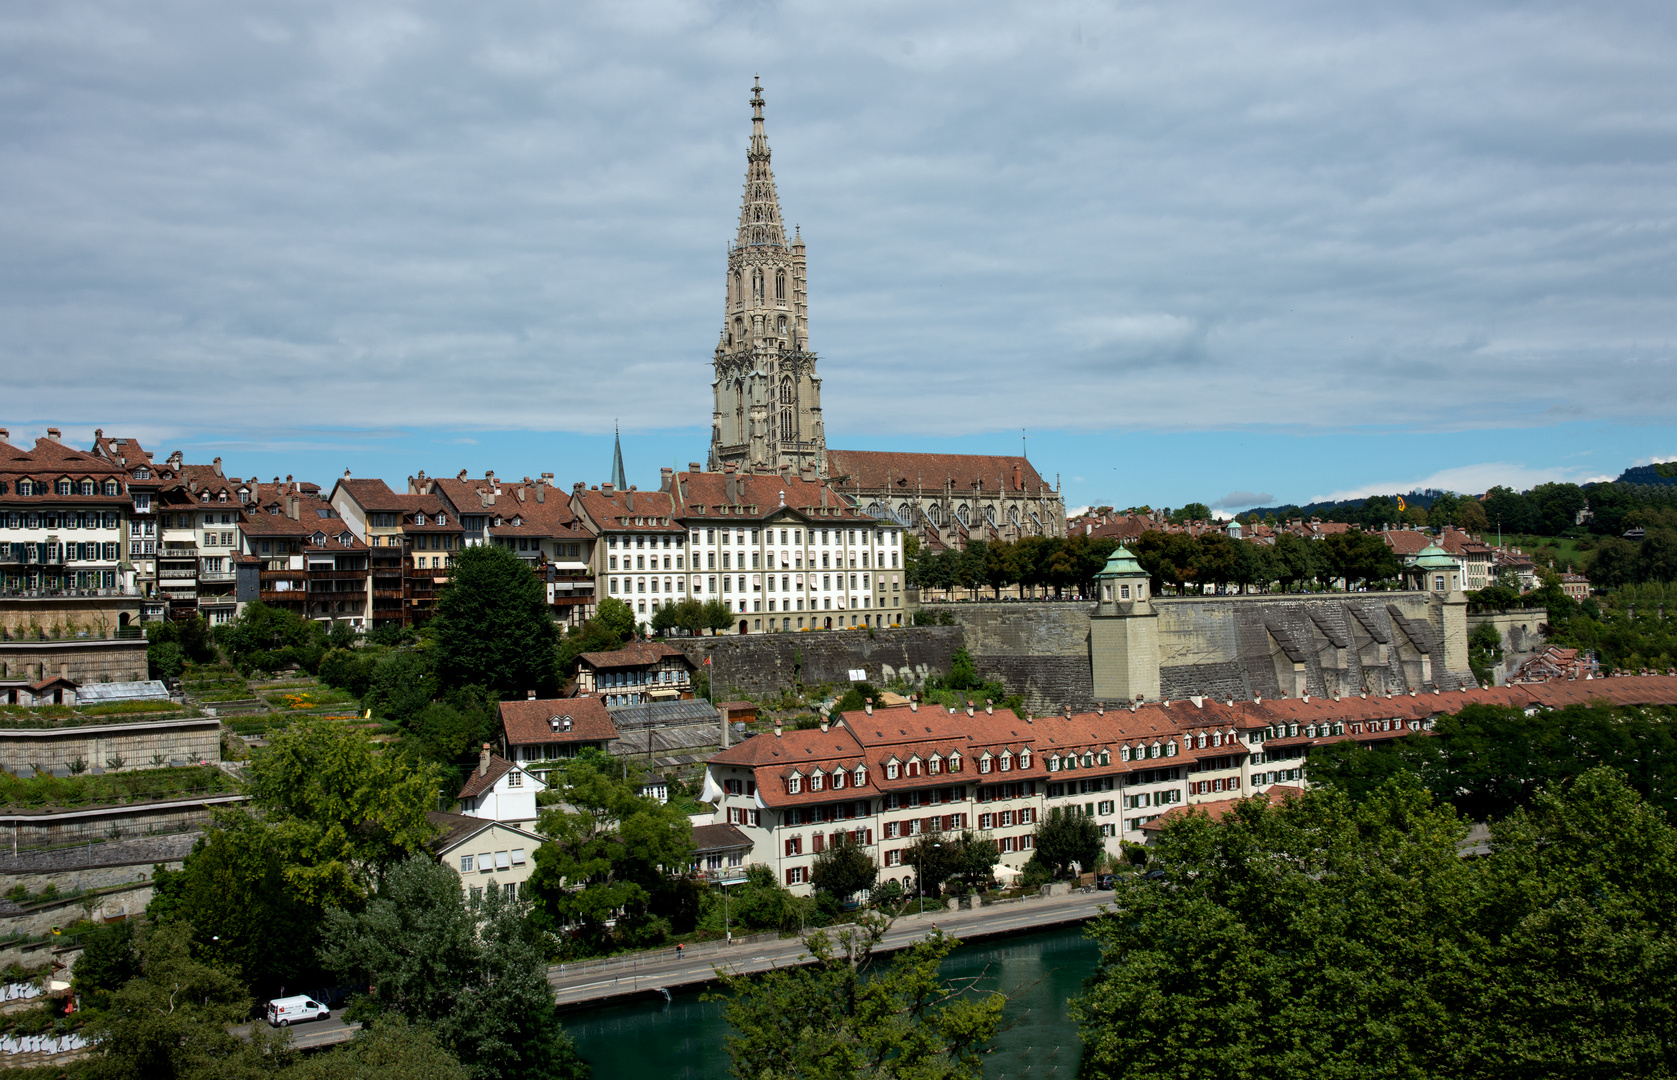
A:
x: 767, y: 399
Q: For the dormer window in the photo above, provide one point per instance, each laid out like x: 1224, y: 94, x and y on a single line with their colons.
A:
x: 1007, y: 761
x: 419, y: 519
x: 559, y: 723
x: 838, y: 779
x: 142, y: 473
x: 954, y: 762
x: 442, y: 519
x: 1106, y: 757
x: 984, y: 763
x: 815, y: 781
x: 913, y: 767
x: 516, y: 522
x: 934, y: 765
x: 221, y: 496
x: 344, y: 539
x: 1217, y: 737
x: 1123, y: 753
x: 891, y: 769
x: 244, y: 496
x: 1170, y: 749
x: 860, y: 777
x: 1024, y: 759
x: 111, y: 487
x: 794, y: 785
x: 318, y: 539
x: 1054, y: 763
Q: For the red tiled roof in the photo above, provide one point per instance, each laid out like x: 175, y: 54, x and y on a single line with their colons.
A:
x: 718, y: 838
x: 372, y: 495
x: 634, y: 654
x: 529, y: 722
x: 1405, y: 541
x: 479, y: 782
x: 908, y: 471
x: 632, y: 511
x: 703, y: 494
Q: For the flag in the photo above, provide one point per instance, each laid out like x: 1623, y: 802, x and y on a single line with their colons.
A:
x: 707, y: 661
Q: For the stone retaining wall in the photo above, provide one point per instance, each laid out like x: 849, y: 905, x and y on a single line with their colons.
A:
x: 23, y: 830
x: 765, y: 665
x: 81, y: 660
x: 190, y: 739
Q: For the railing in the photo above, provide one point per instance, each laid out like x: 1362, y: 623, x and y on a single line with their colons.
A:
x: 338, y: 575
x: 221, y: 576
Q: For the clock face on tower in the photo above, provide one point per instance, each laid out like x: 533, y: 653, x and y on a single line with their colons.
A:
x: 767, y: 410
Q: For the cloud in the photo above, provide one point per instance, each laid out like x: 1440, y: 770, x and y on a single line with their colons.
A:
x: 1212, y: 215
x: 1470, y: 480
x: 1240, y: 500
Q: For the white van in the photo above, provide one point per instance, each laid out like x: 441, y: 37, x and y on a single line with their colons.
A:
x: 283, y: 1012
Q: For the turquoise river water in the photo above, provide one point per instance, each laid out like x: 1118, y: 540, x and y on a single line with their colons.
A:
x: 682, y: 1039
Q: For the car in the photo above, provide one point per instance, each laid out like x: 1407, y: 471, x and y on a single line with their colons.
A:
x: 1155, y: 875
x: 285, y: 1011
x: 1104, y: 881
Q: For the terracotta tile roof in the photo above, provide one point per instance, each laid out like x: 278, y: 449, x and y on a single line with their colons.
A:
x: 479, y: 782
x: 1216, y: 810
x: 51, y: 461
x: 626, y: 511
x: 707, y: 838
x: 704, y: 494
x: 372, y: 495
x: 634, y: 654
x: 907, y: 471
x: 530, y: 722
x: 1405, y: 541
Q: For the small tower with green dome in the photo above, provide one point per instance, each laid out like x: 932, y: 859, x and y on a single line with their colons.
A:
x: 1124, y: 632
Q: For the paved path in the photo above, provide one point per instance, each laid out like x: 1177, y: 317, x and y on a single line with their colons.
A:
x: 643, y: 975
x: 312, y: 1034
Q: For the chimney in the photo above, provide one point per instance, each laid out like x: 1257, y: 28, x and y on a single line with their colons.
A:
x: 666, y: 477
x: 823, y: 725
x: 578, y: 488
x: 216, y: 465
x: 989, y: 707
x: 777, y: 729
x: 869, y: 706
x: 346, y: 472
x: 293, y: 507
x: 529, y: 695
x: 483, y: 761
x: 969, y: 708
x: 605, y: 489
x: 914, y: 705
x: 693, y: 466
x: 5, y: 436
x: 1100, y: 708
x: 54, y: 434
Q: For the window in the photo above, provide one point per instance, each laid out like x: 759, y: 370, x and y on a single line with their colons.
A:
x: 465, y: 864
x: 515, y: 779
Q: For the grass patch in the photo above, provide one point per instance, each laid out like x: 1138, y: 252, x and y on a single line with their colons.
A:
x: 123, y: 708
x: 310, y: 699
x: 111, y: 788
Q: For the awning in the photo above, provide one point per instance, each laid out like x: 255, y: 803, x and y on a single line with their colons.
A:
x: 660, y: 695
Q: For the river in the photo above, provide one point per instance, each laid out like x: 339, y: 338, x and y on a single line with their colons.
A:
x: 682, y: 1039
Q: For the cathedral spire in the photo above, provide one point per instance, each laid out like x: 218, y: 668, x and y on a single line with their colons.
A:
x: 760, y: 209
x: 618, y: 480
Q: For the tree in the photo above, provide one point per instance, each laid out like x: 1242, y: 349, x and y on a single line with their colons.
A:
x: 233, y: 885
x: 962, y: 674
x: 838, y: 1017
x: 844, y: 868
x: 388, y: 1049
x: 107, y: 962
x: 617, y: 618
x: 1194, y: 511
x: 475, y: 977
x: 1298, y: 561
x: 1065, y: 837
x: 718, y: 615
x: 760, y: 902
x: 612, y: 856
x: 1218, y: 559
x: 1360, y: 556
x: 341, y: 809
x: 171, y: 1020
x: 492, y: 626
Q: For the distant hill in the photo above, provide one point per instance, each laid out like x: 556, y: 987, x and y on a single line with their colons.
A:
x: 1663, y: 472
x: 1423, y: 499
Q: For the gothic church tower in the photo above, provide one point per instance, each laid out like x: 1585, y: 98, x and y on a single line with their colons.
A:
x: 767, y: 394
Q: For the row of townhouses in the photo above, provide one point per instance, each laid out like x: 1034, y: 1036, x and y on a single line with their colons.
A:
x: 888, y: 776
x: 110, y: 537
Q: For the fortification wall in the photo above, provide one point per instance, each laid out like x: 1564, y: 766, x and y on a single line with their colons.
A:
x: 764, y: 665
x: 1518, y: 630
x: 1228, y: 646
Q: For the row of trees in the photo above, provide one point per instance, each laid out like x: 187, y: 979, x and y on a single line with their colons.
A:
x: 1175, y: 559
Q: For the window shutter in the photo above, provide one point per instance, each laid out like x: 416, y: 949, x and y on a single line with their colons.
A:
x: 869, y: 833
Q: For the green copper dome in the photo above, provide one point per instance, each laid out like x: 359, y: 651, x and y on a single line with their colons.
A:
x: 1433, y: 557
x: 1121, y: 564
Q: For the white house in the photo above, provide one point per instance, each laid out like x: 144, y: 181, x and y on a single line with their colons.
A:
x: 487, y: 855
x: 500, y: 791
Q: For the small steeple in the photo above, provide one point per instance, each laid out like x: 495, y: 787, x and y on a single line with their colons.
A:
x: 618, y: 480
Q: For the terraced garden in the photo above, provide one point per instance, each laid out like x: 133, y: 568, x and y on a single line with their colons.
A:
x: 112, y: 788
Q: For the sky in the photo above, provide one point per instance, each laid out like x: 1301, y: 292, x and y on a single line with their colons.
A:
x: 1208, y: 251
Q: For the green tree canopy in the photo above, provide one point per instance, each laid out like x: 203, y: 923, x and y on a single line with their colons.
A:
x: 492, y: 626
x: 1065, y: 837
x: 1345, y: 939
x: 844, y: 869
x: 341, y: 809
x: 171, y: 1019
x: 475, y: 977
x: 839, y: 1017
x: 612, y: 855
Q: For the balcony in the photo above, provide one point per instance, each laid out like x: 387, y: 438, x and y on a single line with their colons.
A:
x: 338, y: 575
x: 210, y: 577
x: 59, y: 594
x: 287, y: 597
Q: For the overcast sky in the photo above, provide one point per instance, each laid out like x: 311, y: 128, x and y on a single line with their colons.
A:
x: 1199, y: 250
